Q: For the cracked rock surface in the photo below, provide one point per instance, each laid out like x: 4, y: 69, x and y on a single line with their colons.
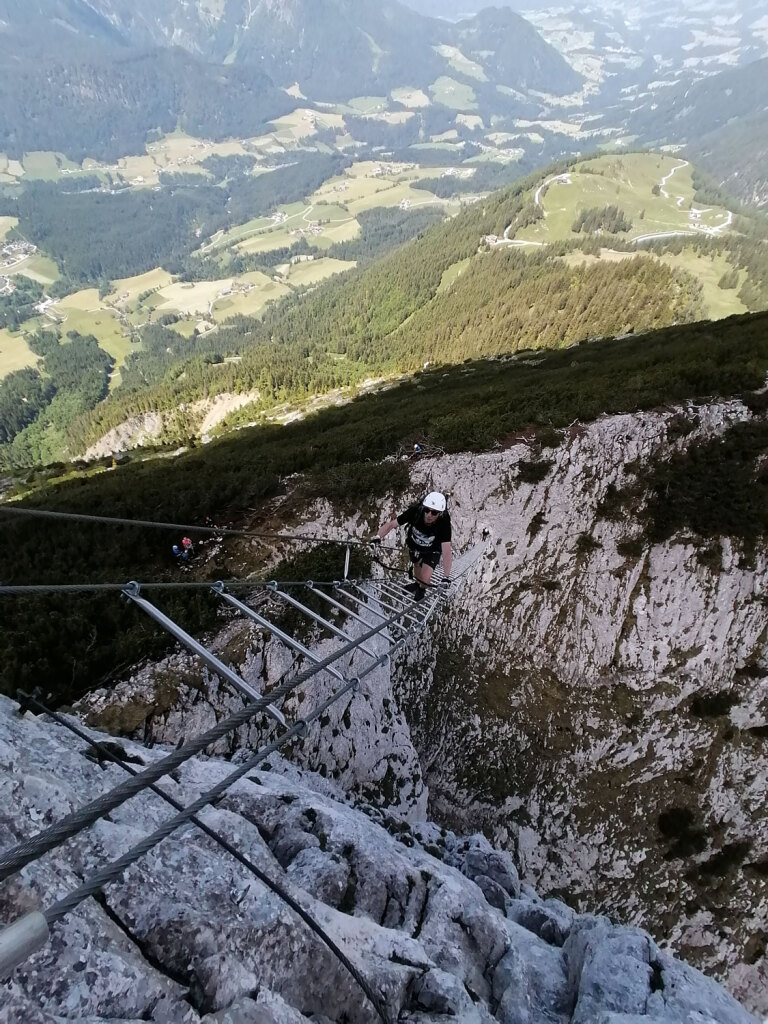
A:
x: 189, y: 935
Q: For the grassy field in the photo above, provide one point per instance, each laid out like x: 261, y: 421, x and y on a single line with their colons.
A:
x: 398, y: 193
x: 303, y: 122
x: 44, y: 166
x: 6, y: 225
x: 446, y: 147
x: 39, y: 268
x: 311, y: 271
x: 506, y: 156
x: 299, y: 217
x: 126, y: 291
x: 250, y: 303
x: 453, y: 94
x: 368, y: 104
x: 341, y: 232
x: 190, y: 299
x: 625, y: 181
x: 87, y: 317
x: 15, y: 354
x: 461, y: 63
x: 452, y: 274
x: 718, y: 302
x: 410, y: 97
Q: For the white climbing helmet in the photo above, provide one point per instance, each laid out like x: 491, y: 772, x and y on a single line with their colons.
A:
x: 435, y: 501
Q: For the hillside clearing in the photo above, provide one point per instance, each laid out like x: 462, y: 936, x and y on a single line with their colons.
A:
x: 7, y: 224
x: 627, y: 182
x: 15, y: 353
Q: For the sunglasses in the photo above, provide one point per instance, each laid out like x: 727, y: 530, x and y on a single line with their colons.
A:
x: 430, y: 512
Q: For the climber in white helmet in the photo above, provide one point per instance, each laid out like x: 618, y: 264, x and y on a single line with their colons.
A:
x: 428, y: 538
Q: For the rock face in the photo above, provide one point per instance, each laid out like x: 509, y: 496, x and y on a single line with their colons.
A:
x: 440, y: 927
x: 147, y: 428
x: 595, y: 703
x: 608, y: 722
x: 362, y: 743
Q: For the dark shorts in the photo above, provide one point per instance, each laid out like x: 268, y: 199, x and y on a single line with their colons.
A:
x: 424, y: 556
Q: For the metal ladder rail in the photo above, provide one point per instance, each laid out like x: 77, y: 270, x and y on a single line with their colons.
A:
x: 285, y: 638
x: 367, y: 606
x: 394, y: 585
x: 405, y: 597
x: 394, y: 608
x: 274, y: 588
x: 348, y: 611
x: 132, y: 591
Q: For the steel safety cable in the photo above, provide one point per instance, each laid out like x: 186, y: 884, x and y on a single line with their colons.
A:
x: 24, y: 853
x: 187, y: 528
x: 31, y: 702
x: 112, y: 871
x: 71, y: 588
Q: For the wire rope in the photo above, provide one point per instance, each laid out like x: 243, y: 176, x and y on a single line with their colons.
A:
x: 70, y: 588
x: 30, y: 701
x: 213, y: 530
x: 24, y: 853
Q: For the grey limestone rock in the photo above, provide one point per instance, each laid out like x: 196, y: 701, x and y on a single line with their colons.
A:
x: 188, y: 935
x: 474, y: 857
x: 551, y: 920
x: 325, y: 876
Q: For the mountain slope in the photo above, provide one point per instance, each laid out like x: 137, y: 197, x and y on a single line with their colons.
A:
x: 87, y: 101
x: 384, y: 44
x: 736, y: 155
x: 141, y: 62
x: 691, y: 111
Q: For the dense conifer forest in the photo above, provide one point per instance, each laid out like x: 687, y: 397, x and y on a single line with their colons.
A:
x: 475, y: 407
x: 446, y: 296
x: 95, y: 236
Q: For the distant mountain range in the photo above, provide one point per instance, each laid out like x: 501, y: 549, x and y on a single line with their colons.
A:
x: 143, y: 64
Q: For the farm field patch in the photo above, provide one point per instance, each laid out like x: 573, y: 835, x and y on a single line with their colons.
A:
x: 461, y: 63
x: 250, y: 303
x: 309, y: 272
x: 400, y: 193
x: 720, y: 302
x: 343, y: 231
x: 15, y: 353
x: 46, y: 166
x: 7, y: 224
x: 38, y: 268
x: 127, y: 289
x: 410, y: 97
x: 454, y: 94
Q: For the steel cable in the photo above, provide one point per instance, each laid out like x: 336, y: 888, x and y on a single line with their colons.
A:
x: 212, y: 530
x: 24, y: 853
x: 71, y: 588
x: 29, y: 701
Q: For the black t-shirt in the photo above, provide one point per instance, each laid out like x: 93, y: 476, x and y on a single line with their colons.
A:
x: 422, y: 534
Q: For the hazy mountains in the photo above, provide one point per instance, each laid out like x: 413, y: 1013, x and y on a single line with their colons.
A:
x: 145, y: 65
x: 333, y: 49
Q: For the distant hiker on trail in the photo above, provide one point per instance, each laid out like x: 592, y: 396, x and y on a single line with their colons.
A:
x: 428, y: 539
